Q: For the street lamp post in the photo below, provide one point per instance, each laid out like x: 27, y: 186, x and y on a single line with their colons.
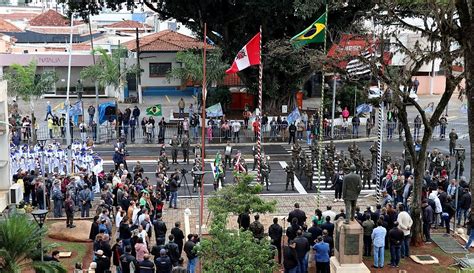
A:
x: 42, y: 142
x: 40, y: 217
x: 79, y: 92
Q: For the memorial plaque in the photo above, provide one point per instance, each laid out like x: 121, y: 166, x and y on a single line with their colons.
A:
x: 351, y: 246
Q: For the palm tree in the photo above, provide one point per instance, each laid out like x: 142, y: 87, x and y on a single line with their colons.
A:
x: 19, y: 240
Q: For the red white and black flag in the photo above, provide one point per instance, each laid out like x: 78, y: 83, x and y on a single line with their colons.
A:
x: 249, y: 55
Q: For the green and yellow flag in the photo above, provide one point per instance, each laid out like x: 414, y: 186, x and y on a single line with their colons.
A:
x: 316, y: 33
x: 154, y: 110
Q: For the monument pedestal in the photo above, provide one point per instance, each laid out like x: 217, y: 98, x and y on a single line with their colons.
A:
x: 348, y: 244
x: 336, y: 267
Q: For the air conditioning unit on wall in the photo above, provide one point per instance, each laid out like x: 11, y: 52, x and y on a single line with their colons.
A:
x: 16, y: 194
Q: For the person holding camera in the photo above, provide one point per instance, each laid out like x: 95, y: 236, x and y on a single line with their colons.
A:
x: 174, y: 185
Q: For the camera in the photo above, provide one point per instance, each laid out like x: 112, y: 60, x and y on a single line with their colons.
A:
x: 183, y: 171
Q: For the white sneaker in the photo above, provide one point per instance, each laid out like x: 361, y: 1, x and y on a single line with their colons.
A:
x: 335, y: 200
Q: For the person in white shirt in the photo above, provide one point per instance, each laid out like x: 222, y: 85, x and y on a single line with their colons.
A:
x: 404, y: 223
x: 438, y: 208
x: 236, y: 130
x: 330, y: 213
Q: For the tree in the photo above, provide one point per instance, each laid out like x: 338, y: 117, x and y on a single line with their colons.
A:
x: 222, y: 250
x: 191, y: 70
x: 28, y: 84
x: 232, y: 23
x: 437, y: 19
x: 19, y: 240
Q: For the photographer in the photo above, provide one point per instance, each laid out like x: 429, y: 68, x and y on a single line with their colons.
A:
x: 174, y: 185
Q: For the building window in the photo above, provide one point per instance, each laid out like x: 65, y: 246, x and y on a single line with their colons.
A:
x: 159, y: 69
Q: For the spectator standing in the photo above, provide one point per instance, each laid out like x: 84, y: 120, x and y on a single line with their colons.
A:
x: 49, y: 111
x: 404, y: 223
x: 415, y: 85
x: 181, y: 105
x: 417, y: 125
x: 368, y: 226
x: 275, y: 231
x: 91, y: 112
x: 290, y: 259
x: 257, y: 228
x: 355, y: 126
x: 464, y: 206
x: 378, y: 240
x: 443, y: 123
x: 321, y: 256
x: 163, y: 263
x: 190, y: 254
x: 128, y: 263
x: 345, y: 114
x: 292, y: 131
x: 146, y: 266
x: 236, y: 131
x: 298, y: 214
x: 302, y: 248
x: 396, y: 237
x: 178, y: 236
x: 427, y: 219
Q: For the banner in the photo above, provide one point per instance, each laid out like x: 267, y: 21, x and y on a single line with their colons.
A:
x: 364, y: 108
x: 76, y: 109
x: 214, y: 111
x: 154, y: 110
x: 294, y: 116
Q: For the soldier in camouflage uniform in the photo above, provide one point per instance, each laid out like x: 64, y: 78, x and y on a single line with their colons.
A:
x: 174, y: 142
x: 163, y: 159
x: 329, y: 169
x: 373, y: 152
x: 295, y: 154
x: 185, y: 146
x: 346, y: 166
x: 352, y: 149
x: 331, y: 149
x: 290, y: 176
x: 367, y: 173
x: 265, y: 171
x: 461, y: 157
x: 309, y: 176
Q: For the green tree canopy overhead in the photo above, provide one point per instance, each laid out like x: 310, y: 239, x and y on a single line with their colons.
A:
x: 232, y: 23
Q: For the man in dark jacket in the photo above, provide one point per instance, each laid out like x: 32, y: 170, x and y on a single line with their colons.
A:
x: 160, y: 230
x: 396, y: 237
x: 351, y: 187
x: 290, y: 260
x: 297, y: 213
x: 275, y: 231
x: 328, y: 226
x: 147, y: 266
x: 174, y: 185
x: 302, y: 248
x: 464, y: 205
x: 292, y: 131
x: 315, y: 231
x: 188, y: 249
x: 427, y: 218
x: 244, y: 220
x: 163, y: 263
x: 102, y: 261
x: 173, y: 250
x: 128, y: 261
x: 136, y: 112
x: 178, y: 236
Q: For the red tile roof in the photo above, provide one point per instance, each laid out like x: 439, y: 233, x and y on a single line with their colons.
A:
x: 165, y: 40
x: 8, y: 27
x: 128, y: 24
x: 19, y: 16
x: 50, y: 18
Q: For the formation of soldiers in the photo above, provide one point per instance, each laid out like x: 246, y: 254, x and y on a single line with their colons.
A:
x: 53, y: 158
x: 334, y: 163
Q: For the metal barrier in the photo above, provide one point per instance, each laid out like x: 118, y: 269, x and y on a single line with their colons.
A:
x: 213, y: 134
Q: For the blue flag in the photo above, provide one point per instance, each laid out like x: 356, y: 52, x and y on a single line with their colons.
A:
x: 294, y: 116
x: 76, y: 109
x: 364, y: 108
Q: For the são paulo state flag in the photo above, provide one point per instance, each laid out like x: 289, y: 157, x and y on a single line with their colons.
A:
x: 247, y: 56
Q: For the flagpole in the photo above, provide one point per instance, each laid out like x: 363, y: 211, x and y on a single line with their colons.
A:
x: 259, y: 116
x: 321, y: 112
x: 203, y: 127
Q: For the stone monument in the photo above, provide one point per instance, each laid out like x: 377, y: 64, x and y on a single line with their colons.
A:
x: 348, y: 241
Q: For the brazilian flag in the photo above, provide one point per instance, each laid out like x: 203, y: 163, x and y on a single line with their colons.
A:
x: 316, y: 33
x: 154, y: 110
x: 217, y: 160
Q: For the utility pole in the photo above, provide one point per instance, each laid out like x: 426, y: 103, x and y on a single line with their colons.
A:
x: 68, y: 90
x: 139, y: 71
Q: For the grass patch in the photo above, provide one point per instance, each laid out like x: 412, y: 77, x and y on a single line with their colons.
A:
x: 78, y: 249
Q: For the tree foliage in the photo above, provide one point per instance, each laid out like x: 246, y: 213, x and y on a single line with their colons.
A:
x: 26, y: 83
x: 192, y: 69
x: 19, y: 240
x: 240, y: 197
x: 222, y: 251
x: 109, y: 69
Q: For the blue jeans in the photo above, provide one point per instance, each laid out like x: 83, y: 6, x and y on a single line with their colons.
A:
x: 58, y: 206
x: 192, y: 265
x: 308, y: 137
x: 379, y: 253
x: 292, y: 270
x: 462, y: 212
x: 470, y: 240
x: 303, y: 264
x: 195, y: 131
x: 173, y: 199
x: 405, y: 249
x: 394, y: 255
